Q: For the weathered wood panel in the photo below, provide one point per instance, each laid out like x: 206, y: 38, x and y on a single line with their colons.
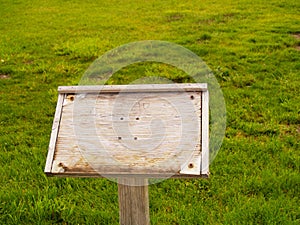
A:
x: 130, y: 132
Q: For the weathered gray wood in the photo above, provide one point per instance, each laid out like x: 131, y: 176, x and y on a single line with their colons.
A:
x: 205, y: 133
x: 86, y: 145
x: 89, y: 138
x: 133, y: 201
x: 94, y: 174
x: 138, y: 160
x: 54, y: 132
x: 133, y: 88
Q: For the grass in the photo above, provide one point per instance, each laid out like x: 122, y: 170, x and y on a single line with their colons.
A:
x: 252, y: 48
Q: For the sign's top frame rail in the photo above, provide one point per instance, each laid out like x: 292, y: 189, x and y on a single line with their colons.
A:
x: 188, y: 87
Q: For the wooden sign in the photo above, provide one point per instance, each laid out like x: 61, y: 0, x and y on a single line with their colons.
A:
x: 151, y: 130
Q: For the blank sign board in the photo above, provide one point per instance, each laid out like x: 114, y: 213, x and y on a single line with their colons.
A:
x: 152, y: 130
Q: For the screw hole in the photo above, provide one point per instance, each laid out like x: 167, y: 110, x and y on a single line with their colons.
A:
x: 121, y: 118
x: 71, y: 97
x: 137, y: 118
x: 191, y: 165
x: 135, y: 138
x: 192, y: 97
x: 119, y: 138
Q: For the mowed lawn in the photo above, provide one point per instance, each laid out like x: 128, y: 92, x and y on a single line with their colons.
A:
x: 253, y: 48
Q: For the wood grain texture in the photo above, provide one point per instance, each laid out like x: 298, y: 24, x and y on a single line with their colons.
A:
x: 205, y: 133
x: 130, y: 133
x: 54, y: 132
x: 133, y: 88
x: 133, y: 201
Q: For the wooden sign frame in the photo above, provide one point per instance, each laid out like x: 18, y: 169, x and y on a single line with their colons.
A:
x: 64, y: 158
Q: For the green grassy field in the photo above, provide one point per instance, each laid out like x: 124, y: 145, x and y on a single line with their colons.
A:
x: 251, y: 46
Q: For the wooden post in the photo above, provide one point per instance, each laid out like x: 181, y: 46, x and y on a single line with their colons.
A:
x: 133, y: 201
